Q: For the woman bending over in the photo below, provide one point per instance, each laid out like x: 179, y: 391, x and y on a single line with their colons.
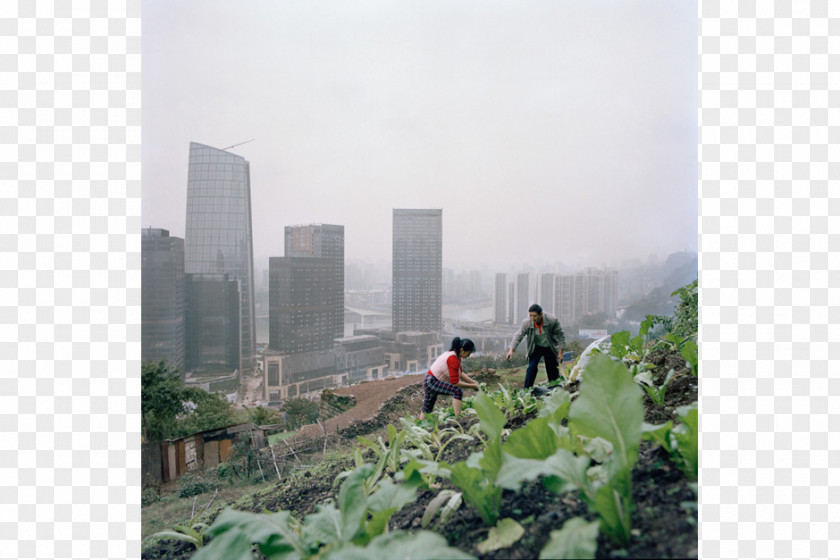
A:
x: 446, y: 377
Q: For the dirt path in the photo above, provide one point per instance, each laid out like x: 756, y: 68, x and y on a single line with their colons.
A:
x: 369, y: 397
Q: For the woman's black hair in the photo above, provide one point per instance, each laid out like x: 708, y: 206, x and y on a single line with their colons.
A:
x: 462, y: 344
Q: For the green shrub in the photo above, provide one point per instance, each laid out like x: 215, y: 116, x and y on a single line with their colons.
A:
x: 193, y: 485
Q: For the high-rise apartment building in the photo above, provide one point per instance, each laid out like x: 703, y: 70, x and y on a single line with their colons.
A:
x: 523, y: 297
x: 212, y: 323
x: 590, y: 291
x: 162, y: 292
x: 512, y: 303
x: 563, y: 298
x: 545, y: 291
x: 500, y: 298
x: 417, y: 270
x: 301, y: 302
x: 322, y: 241
x: 218, y: 236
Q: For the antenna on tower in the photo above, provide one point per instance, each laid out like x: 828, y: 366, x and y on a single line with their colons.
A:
x: 235, y: 145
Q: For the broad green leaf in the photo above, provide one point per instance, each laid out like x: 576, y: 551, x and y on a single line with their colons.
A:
x: 491, y: 419
x: 505, y: 533
x: 566, y: 471
x: 556, y: 406
x: 390, y: 495
x: 234, y: 532
x: 482, y: 493
x: 644, y: 328
x: 689, y: 352
x: 644, y: 378
x: 614, y: 505
x: 179, y: 536
x: 188, y: 531
x: 576, y: 539
x: 423, y: 466
x: 610, y: 407
x: 515, y: 470
x: 618, y: 344
x: 399, y: 545
x: 231, y: 545
x: 375, y: 526
x: 325, y: 526
x: 491, y: 461
x: 660, y: 434
x: 686, y: 437
x: 377, y: 449
x: 534, y: 441
x: 598, y: 448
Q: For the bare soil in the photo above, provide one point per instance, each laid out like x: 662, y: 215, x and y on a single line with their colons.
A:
x: 664, y: 518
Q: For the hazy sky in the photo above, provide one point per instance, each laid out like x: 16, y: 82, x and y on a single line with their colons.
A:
x: 546, y: 130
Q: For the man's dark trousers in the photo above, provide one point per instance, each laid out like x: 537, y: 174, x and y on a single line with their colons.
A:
x: 534, y: 362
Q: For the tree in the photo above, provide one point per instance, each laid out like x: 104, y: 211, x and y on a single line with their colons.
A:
x: 162, y: 399
x: 212, y: 410
x: 299, y: 411
x: 262, y: 416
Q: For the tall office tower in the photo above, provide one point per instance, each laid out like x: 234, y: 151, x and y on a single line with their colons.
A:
x: 523, y: 296
x: 417, y: 270
x: 323, y: 241
x: 301, y: 304
x: 545, y: 291
x: 212, y: 323
x: 512, y: 304
x: 564, y: 298
x: 500, y: 298
x: 218, y: 235
x: 162, y: 293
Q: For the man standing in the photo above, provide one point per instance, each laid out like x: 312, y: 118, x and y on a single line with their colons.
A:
x: 545, y: 340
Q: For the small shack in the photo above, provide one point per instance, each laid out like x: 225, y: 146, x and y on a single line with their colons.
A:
x: 167, y: 460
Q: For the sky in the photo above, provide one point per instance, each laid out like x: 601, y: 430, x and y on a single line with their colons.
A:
x: 547, y: 131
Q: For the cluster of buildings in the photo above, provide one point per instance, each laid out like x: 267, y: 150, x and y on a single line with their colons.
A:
x: 567, y: 296
x: 198, y: 292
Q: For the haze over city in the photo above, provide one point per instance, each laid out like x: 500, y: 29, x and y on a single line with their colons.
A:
x: 546, y: 131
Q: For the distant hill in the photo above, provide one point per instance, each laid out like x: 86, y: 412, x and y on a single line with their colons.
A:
x: 678, y: 270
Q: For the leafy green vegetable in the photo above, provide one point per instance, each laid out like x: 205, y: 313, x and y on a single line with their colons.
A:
x: 399, y: 545
x: 576, y: 539
x: 689, y: 352
x: 505, y: 533
x: 479, y: 489
x: 620, y: 344
x: 656, y: 394
x: 610, y: 407
x: 686, y: 435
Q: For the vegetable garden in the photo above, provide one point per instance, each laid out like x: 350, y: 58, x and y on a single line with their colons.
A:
x: 604, y: 466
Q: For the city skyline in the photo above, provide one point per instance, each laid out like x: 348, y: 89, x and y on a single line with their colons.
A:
x: 578, y: 117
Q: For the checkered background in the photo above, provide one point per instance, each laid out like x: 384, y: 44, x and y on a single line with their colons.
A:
x: 70, y: 270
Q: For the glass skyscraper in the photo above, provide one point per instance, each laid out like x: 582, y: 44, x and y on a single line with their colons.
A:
x: 162, y: 292
x: 417, y: 270
x: 218, y: 236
